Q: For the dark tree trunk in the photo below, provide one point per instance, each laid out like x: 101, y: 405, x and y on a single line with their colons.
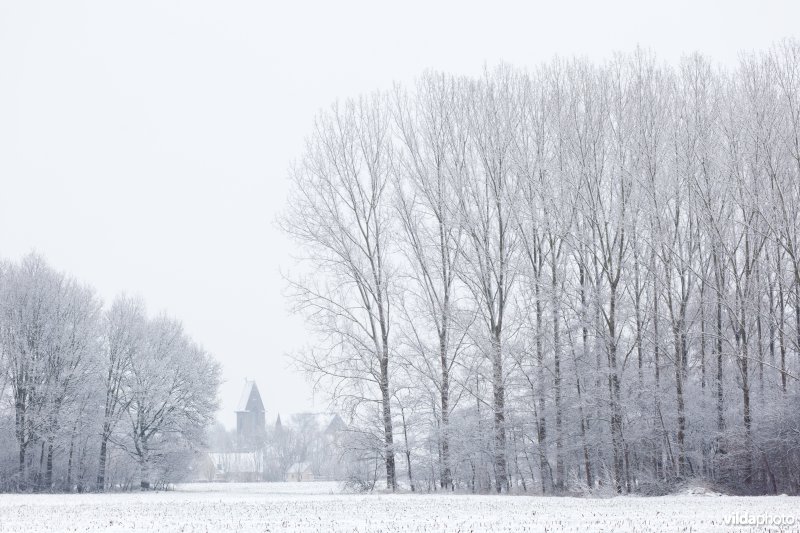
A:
x: 446, y: 479
x: 501, y: 470
x: 101, y: 470
x: 391, y: 478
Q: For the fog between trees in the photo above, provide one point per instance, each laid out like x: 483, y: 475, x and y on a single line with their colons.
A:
x: 576, y: 278
x: 94, y: 397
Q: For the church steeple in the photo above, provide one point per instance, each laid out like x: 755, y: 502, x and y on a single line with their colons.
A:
x: 250, y: 417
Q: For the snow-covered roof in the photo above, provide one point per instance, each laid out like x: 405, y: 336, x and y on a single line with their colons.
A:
x: 234, y: 462
x: 298, y: 468
x: 250, y: 399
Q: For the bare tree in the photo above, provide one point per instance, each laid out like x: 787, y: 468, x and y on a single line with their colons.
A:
x: 431, y: 164
x: 341, y: 215
x: 487, y: 202
x: 624, y: 236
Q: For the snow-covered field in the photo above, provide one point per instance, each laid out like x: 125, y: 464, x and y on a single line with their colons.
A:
x: 320, y: 507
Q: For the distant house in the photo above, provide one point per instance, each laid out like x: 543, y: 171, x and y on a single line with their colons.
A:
x: 236, y: 466
x: 242, y: 460
x: 333, y: 423
x: 250, y: 418
x: 300, y: 472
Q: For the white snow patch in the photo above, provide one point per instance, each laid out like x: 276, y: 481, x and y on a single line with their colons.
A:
x: 318, y: 507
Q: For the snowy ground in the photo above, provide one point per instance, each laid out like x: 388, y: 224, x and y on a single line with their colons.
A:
x: 320, y: 507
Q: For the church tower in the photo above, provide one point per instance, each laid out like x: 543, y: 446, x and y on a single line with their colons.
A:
x: 250, y: 418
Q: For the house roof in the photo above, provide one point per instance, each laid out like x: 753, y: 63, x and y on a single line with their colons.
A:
x: 235, y: 462
x: 250, y: 399
x: 299, y: 468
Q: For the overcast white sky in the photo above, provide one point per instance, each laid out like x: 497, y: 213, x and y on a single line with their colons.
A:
x: 144, y: 145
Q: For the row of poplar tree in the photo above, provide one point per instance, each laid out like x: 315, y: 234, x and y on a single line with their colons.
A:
x: 94, y: 397
x: 579, y: 277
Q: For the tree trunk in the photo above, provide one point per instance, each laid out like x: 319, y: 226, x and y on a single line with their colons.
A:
x: 48, y: 478
x: 541, y: 424
x: 407, y: 453
x: 391, y: 479
x: 557, y: 380
x: 681, y: 466
x: 69, y: 461
x: 614, y: 393
x: 101, y: 470
x: 501, y: 470
x: 718, y: 350
x: 144, y: 469
x: 781, y: 334
x: 446, y: 480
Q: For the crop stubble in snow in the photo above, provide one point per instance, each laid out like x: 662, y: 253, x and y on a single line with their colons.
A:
x: 320, y: 507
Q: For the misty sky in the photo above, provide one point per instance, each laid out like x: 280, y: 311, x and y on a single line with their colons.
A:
x: 144, y: 146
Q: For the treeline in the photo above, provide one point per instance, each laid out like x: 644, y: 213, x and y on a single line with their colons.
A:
x: 583, y: 277
x: 94, y: 398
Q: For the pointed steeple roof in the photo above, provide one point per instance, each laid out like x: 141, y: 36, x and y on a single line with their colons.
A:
x: 251, y: 399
